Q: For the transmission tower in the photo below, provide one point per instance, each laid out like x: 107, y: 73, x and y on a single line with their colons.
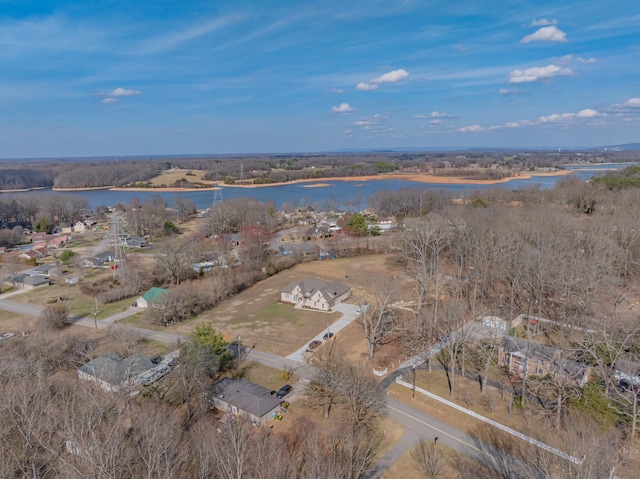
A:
x: 117, y: 238
x: 217, y: 197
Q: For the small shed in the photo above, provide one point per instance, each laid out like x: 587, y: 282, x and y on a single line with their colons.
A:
x: 152, y: 298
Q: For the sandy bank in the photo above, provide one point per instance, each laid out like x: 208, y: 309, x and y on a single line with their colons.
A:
x: 418, y: 178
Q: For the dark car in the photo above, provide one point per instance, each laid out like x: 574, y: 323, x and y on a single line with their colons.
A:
x: 327, y: 335
x: 283, y: 391
x: 314, y: 344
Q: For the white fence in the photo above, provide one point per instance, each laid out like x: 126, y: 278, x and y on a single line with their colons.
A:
x: 502, y: 427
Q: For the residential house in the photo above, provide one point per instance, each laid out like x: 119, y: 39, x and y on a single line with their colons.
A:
x: 59, y: 241
x: 46, y: 270
x: 239, y: 397
x: 497, y: 322
x: 113, y: 373
x: 315, y: 293
x: 65, y: 228
x: 25, y: 281
x: 152, y: 298
x: 99, y: 259
x: 79, y: 227
x: 137, y: 242
x: 35, y: 253
x: 525, y: 358
x: 38, y: 237
x: 318, y: 232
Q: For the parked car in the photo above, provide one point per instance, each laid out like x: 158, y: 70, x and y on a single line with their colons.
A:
x: 327, y: 335
x: 6, y: 336
x: 314, y: 344
x: 283, y: 391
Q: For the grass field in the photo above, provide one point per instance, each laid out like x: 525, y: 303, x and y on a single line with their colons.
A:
x: 168, y: 178
x: 275, y: 327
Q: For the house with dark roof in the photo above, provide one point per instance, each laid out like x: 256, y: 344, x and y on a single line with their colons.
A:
x: 46, y: 270
x: 315, y: 293
x: 239, y: 397
x: 26, y: 281
x: 113, y: 373
x: 525, y: 358
x: 98, y: 260
x: 137, y: 242
x: 152, y: 298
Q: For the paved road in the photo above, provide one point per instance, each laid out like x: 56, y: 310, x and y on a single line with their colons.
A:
x: 418, y: 425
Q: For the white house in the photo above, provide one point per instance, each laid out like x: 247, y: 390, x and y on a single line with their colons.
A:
x: 315, y: 293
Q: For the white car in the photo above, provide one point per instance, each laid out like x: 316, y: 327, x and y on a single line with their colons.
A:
x: 6, y: 336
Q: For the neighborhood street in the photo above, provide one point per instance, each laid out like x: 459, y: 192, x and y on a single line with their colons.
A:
x: 419, y: 426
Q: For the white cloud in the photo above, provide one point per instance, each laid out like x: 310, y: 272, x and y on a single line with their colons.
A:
x: 392, y: 76
x: 632, y: 102
x: 435, y: 122
x: 587, y: 60
x: 554, y: 117
x: 508, y: 91
x: 366, y: 86
x: 124, y: 92
x: 110, y: 101
x: 471, y: 129
x: 438, y: 114
x: 342, y: 108
x: 512, y: 124
x: 347, y: 132
x: 546, y: 34
x: 389, y: 77
x: 460, y: 47
x: 543, y: 22
x: 536, y: 74
x: 587, y: 113
x: 337, y: 90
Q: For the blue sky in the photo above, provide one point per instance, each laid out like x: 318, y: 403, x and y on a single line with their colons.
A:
x: 112, y: 77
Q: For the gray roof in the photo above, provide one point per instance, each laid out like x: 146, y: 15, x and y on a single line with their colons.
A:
x: 533, y: 350
x: 245, y: 395
x: 309, y: 286
x: 115, y: 370
x: 334, y: 289
x: 35, y: 280
x: 105, y: 256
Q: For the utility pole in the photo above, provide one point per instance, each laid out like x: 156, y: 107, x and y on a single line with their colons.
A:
x: 94, y: 311
x: 413, y: 389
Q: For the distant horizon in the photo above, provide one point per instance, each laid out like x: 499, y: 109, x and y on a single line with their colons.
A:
x: 627, y: 147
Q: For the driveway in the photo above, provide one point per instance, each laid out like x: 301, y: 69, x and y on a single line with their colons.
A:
x: 349, y: 313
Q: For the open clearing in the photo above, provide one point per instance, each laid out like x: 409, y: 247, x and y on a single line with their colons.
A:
x: 278, y: 328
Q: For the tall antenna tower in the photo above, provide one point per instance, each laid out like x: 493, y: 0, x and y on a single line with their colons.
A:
x: 118, y: 238
x: 241, y: 172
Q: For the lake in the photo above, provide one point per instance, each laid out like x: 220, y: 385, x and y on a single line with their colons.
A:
x: 349, y: 195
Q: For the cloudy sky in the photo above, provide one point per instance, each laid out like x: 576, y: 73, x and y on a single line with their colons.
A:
x: 113, y: 77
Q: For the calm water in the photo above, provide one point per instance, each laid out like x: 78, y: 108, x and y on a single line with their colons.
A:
x: 349, y: 195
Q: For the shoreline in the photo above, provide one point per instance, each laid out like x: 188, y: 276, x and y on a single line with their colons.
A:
x: 323, y: 182
x: 415, y: 177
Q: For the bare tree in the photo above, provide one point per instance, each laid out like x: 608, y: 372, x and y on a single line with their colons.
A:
x: 378, y: 319
x: 431, y: 459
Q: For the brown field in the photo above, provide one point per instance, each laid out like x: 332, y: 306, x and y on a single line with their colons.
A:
x: 278, y: 328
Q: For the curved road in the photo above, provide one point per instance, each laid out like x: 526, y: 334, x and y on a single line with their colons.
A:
x: 418, y: 425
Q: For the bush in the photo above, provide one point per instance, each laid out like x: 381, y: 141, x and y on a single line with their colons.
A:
x: 55, y: 316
